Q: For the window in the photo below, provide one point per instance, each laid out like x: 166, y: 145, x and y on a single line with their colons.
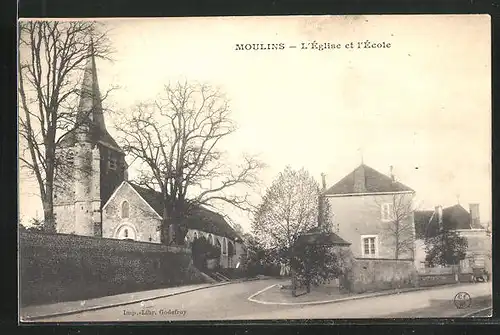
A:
x: 125, y: 233
x: 71, y: 157
x: 125, y: 210
x: 224, y: 246
x: 112, y: 164
x: 369, y: 246
x: 386, y: 212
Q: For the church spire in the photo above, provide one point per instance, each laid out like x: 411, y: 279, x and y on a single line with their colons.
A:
x: 90, y: 107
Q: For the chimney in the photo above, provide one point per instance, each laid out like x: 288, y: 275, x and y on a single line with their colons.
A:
x: 359, y: 180
x: 391, y: 168
x: 474, y: 215
x: 438, y: 210
x: 323, y: 181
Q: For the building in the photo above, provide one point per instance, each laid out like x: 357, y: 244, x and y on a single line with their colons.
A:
x: 465, y: 223
x: 92, y: 196
x: 374, y: 213
x: 133, y: 212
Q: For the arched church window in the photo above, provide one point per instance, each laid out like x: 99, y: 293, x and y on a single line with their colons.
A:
x: 224, y: 246
x: 125, y: 210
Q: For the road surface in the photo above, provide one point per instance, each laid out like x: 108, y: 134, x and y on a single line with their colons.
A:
x: 230, y: 302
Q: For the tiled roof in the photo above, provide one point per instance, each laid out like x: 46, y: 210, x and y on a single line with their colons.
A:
x: 454, y: 217
x: 319, y: 237
x: 374, y: 182
x: 201, y: 218
x: 425, y: 223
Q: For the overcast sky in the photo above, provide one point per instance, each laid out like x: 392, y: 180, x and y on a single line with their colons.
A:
x: 423, y: 105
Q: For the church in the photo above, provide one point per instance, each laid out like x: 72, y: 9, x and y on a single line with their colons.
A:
x: 94, y: 197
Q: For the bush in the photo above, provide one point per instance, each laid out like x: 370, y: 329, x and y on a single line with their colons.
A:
x: 202, y: 250
x: 319, y: 264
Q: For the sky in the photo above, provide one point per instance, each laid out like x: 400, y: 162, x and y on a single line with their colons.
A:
x: 422, y: 106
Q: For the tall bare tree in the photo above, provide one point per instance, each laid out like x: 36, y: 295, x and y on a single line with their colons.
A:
x: 400, y: 226
x: 174, y: 142
x: 52, y: 56
x: 289, y: 208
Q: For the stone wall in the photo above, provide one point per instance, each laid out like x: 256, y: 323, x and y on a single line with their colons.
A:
x: 361, y: 215
x: 371, y: 275
x: 59, y: 267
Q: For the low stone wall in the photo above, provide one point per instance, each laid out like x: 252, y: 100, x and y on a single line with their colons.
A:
x: 371, y: 275
x: 436, y: 279
x: 61, y: 267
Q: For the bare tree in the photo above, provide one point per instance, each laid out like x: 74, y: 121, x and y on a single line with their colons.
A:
x: 400, y: 226
x: 289, y: 208
x: 175, y: 143
x: 52, y: 56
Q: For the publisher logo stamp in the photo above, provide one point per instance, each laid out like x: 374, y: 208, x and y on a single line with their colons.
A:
x: 462, y: 300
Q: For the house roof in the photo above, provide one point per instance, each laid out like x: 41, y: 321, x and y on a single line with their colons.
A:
x: 201, y: 218
x: 319, y: 237
x: 454, y: 217
x: 373, y: 181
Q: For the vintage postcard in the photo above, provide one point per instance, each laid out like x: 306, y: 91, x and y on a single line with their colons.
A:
x: 255, y: 168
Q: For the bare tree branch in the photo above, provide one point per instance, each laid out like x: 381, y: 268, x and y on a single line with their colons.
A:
x: 51, y: 60
x: 176, y: 139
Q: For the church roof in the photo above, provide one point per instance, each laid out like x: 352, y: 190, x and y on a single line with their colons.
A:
x: 201, y: 218
x: 370, y: 180
x: 90, y: 109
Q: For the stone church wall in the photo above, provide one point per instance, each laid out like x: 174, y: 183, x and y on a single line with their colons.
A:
x: 65, y: 218
x: 141, y: 218
x: 60, y: 267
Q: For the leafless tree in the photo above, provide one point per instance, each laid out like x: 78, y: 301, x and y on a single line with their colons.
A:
x: 400, y: 226
x: 174, y: 142
x: 52, y: 56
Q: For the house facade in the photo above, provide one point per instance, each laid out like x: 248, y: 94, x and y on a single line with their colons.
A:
x: 92, y: 196
x: 465, y: 223
x: 374, y: 213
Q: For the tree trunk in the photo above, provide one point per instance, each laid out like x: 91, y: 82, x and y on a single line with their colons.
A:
x: 49, y: 225
x: 48, y: 207
x: 396, y: 251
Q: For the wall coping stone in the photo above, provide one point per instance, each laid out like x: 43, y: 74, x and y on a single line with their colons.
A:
x: 32, y: 239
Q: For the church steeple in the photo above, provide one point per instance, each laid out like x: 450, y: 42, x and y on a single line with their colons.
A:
x: 90, y: 112
x: 90, y: 107
x: 98, y: 162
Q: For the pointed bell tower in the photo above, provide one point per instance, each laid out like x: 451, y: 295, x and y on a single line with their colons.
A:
x: 99, y: 163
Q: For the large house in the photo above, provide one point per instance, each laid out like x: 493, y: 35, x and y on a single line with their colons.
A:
x: 365, y: 208
x: 465, y: 223
x: 94, y: 198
